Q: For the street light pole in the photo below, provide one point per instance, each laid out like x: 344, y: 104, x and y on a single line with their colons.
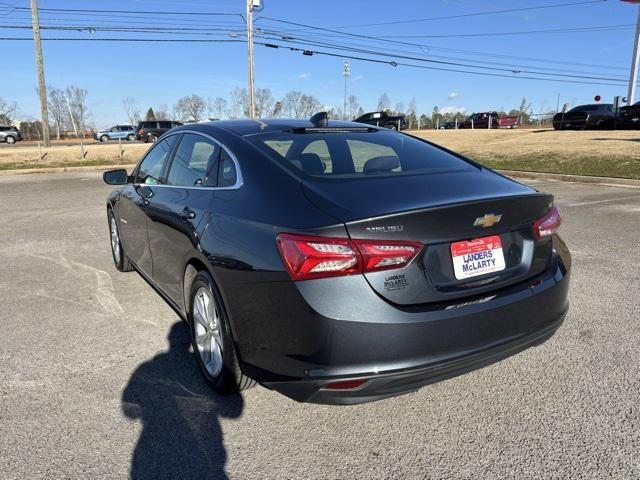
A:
x: 345, y: 74
x: 251, y: 89
x: 633, y: 78
x: 42, y: 88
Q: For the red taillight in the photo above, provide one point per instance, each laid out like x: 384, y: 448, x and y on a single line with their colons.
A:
x: 549, y: 224
x: 385, y: 255
x: 345, y: 385
x: 317, y: 257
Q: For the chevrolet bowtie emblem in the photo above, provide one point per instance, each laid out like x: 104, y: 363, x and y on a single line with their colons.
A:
x: 488, y: 220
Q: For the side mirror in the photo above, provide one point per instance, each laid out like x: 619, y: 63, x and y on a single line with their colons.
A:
x: 115, y: 177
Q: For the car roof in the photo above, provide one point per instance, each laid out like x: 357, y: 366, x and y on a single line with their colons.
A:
x: 246, y: 127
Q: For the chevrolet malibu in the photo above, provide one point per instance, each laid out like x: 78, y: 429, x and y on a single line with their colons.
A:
x: 334, y: 262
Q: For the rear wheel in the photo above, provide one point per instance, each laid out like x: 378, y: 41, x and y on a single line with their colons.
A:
x: 120, y: 260
x: 152, y: 138
x: 211, y: 338
x: 131, y: 137
x: 392, y: 126
x: 10, y: 139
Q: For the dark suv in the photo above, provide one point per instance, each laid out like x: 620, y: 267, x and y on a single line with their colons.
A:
x: 9, y: 134
x: 150, y: 131
x: 584, y: 117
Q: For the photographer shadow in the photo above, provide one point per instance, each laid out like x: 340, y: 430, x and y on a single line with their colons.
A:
x: 181, y: 434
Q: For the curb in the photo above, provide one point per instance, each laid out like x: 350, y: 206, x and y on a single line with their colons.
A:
x: 87, y: 168
x: 561, y: 177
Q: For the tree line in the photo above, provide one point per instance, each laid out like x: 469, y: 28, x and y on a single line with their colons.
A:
x: 69, y: 112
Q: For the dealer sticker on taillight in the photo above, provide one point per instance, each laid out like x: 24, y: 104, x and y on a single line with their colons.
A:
x: 477, y: 257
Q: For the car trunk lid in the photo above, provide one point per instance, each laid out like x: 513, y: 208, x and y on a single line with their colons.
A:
x: 438, y: 210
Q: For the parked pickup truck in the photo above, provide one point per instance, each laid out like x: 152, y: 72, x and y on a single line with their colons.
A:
x: 382, y: 119
x: 582, y: 117
x: 489, y: 120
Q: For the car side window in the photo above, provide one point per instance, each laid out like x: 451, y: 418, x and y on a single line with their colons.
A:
x: 150, y: 169
x: 194, y: 162
x: 227, y: 174
x: 164, y: 124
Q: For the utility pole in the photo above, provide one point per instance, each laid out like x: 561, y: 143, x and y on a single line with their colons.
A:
x: 633, y: 78
x: 345, y: 74
x: 557, y: 104
x: 251, y: 90
x: 42, y: 88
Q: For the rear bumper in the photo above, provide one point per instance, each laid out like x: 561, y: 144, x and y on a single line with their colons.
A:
x: 340, y: 329
x: 387, y: 385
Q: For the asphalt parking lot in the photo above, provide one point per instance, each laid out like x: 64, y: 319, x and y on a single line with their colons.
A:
x: 96, y: 380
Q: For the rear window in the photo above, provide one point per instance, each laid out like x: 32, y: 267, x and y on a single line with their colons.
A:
x: 356, y: 154
x: 147, y: 125
x: 592, y: 108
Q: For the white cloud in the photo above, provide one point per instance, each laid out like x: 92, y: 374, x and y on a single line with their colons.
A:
x: 304, y: 76
x: 453, y: 95
x: 453, y: 110
x: 358, y: 77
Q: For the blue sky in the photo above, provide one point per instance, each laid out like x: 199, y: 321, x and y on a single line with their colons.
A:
x: 157, y: 73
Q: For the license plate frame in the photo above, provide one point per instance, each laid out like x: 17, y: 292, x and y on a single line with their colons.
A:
x: 476, y: 257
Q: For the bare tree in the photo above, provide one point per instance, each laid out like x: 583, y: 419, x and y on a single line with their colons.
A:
x: 384, y: 103
x: 58, y: 109
x: 218, y: 107
x: 76, y: 98
x: 310, y: 105
x: 130, y: 106
x: 239, y: 102
x: 264, y: 102
x: 162, y: 112
x: 292, y: 104
x: 399, y: 107
x: 352, y: 105
x: 7, y: 111
x: 191, y: 107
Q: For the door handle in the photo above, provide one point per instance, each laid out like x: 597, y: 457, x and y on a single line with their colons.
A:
x: 187, y: 214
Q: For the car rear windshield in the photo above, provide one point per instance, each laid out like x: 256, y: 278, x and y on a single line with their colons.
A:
x: 356, y: 154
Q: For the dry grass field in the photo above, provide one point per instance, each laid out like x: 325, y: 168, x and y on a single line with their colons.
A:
x: 605, y: 153
x: 593, y: 152
x: 19, y: 157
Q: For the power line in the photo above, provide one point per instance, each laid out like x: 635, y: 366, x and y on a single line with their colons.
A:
x: 603, y: 28
x: 300, y: 39
x: 464, y: 15
x: 424, y: 47
x: 171, y: 40
x: 141, y: 12
x: 428, y: 67
x: 442, y: 62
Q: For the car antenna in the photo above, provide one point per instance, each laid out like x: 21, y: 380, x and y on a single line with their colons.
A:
x: 320, y: 120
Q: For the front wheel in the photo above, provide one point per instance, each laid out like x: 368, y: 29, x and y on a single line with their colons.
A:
x: 392, y: 126
x: 104, y: 138
x: 120, y: 260
x: 152, y: 138
x: 10, y: 139
x: 211, y: 338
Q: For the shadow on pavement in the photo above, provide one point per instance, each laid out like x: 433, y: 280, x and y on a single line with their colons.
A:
x: 181, y: 435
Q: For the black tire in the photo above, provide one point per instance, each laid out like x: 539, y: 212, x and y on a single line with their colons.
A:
x: 104, y: 138
x: 10, y: 139
x: 121, y: 261
x: 152, y: 138
x: 392, y: 126
x: 131, y: 137
x: 230, y: 380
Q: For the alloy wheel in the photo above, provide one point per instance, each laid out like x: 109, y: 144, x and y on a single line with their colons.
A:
x: 207, y: 331
x: 115, y: 240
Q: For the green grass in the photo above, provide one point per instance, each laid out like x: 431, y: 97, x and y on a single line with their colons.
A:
x: 76, y: 163
x: 621, y: 167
